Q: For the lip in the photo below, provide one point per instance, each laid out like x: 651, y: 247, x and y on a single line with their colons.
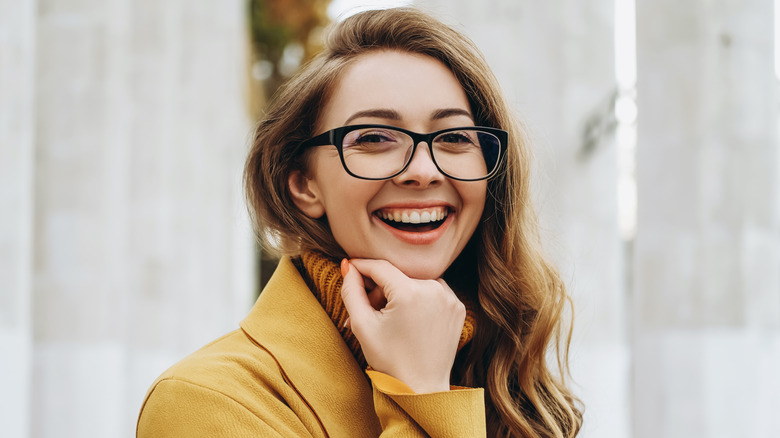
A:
x: 415, y: 237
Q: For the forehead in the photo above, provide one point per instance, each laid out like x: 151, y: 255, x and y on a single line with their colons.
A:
x: 412, y: 85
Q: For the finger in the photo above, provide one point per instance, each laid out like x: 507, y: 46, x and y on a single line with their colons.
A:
x: 381, y: 272
x: 353, y: 294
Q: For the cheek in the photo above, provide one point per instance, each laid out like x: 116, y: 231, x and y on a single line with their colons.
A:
x: 345, y: 199
x: 347, y: 206
x: 474, y: 196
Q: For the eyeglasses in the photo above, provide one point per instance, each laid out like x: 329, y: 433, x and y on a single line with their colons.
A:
x: 378, y: 152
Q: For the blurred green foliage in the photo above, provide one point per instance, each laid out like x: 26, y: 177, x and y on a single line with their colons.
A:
x: 275, y: 25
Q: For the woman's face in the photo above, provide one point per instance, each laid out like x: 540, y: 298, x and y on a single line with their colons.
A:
x: 409, y: 91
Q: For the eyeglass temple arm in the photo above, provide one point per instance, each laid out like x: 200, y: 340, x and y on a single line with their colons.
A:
x: 326, y: 138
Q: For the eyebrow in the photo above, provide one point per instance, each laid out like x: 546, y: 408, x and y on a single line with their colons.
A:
x: 376, y: 113
x: 394, y: 115
x: 449, y: 112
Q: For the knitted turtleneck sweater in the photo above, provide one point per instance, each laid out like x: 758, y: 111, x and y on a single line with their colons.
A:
x: 323, y: 275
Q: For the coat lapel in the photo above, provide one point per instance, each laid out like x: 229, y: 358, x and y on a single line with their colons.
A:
x: 290, y: 323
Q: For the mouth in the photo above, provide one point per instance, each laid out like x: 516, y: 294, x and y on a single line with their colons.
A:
x: 414, y: 219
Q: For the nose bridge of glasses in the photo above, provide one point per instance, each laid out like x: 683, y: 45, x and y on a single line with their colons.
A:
x: 417, y: 148
x: 418, y: 165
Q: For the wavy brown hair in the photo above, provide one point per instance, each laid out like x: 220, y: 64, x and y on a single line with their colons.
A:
x: 521, y: 297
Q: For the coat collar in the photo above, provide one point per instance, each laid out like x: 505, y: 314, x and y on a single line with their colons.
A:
x: 289, y: 322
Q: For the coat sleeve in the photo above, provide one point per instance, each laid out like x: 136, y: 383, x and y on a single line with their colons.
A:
x: 177, y: 408
x: 458, y: 412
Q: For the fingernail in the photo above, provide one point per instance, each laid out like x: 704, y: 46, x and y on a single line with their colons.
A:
x: 344, y: 267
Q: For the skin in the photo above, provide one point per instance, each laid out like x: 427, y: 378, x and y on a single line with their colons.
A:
x: 409, y: 322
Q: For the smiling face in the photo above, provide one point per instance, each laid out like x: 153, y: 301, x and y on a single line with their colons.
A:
x: 420, y: 220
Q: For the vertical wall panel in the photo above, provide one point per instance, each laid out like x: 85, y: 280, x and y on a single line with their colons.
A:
x: 139, y: 223
x: 707, y: 308
x: 17, y: 106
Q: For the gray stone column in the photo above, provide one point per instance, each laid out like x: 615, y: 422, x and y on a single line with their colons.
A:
x: 706, y: 315
x: 17, y: 97
x: 141, y: 251
x: 555, y: 62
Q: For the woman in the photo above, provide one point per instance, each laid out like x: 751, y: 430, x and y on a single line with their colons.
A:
x: 392, y: 176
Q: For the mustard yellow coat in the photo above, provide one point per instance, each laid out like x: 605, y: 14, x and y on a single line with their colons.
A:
x: 288, y: 373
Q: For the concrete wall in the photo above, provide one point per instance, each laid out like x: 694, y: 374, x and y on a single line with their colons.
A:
x: 706, y: 312
x: 17, y: 137
x: 123, y: 230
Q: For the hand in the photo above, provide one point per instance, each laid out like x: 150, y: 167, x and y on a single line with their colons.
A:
x: 414, y: 336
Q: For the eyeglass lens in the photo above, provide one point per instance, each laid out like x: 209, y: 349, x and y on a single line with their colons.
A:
x: 383, y: 152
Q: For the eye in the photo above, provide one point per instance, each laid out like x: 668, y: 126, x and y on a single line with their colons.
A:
x: 372, y: 138
x: 456, y: 137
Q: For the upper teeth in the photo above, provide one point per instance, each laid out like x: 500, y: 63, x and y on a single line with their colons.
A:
x: 415, y: 216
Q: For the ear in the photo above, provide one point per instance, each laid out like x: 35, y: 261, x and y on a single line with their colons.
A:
x: 305, y: 194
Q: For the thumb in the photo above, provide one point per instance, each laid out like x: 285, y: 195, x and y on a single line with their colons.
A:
x: 353, y: 293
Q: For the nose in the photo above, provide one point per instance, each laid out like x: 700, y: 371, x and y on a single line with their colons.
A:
x: 422, y: 171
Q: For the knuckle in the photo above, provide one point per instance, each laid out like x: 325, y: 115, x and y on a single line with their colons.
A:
x: 455, y: 305
x: 435, y: 285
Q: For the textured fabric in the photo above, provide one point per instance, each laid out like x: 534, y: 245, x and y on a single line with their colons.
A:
x: 326, y: 281
x: 325, y: 275
x: 403, y: 413
x: 287, y: 372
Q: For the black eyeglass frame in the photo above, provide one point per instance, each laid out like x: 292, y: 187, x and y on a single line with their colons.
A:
x: 335, y: 137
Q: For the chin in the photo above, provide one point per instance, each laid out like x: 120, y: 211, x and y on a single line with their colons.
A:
x: 420, y: 271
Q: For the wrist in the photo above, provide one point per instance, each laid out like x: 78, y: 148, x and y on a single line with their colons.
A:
x: 428, y: 386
